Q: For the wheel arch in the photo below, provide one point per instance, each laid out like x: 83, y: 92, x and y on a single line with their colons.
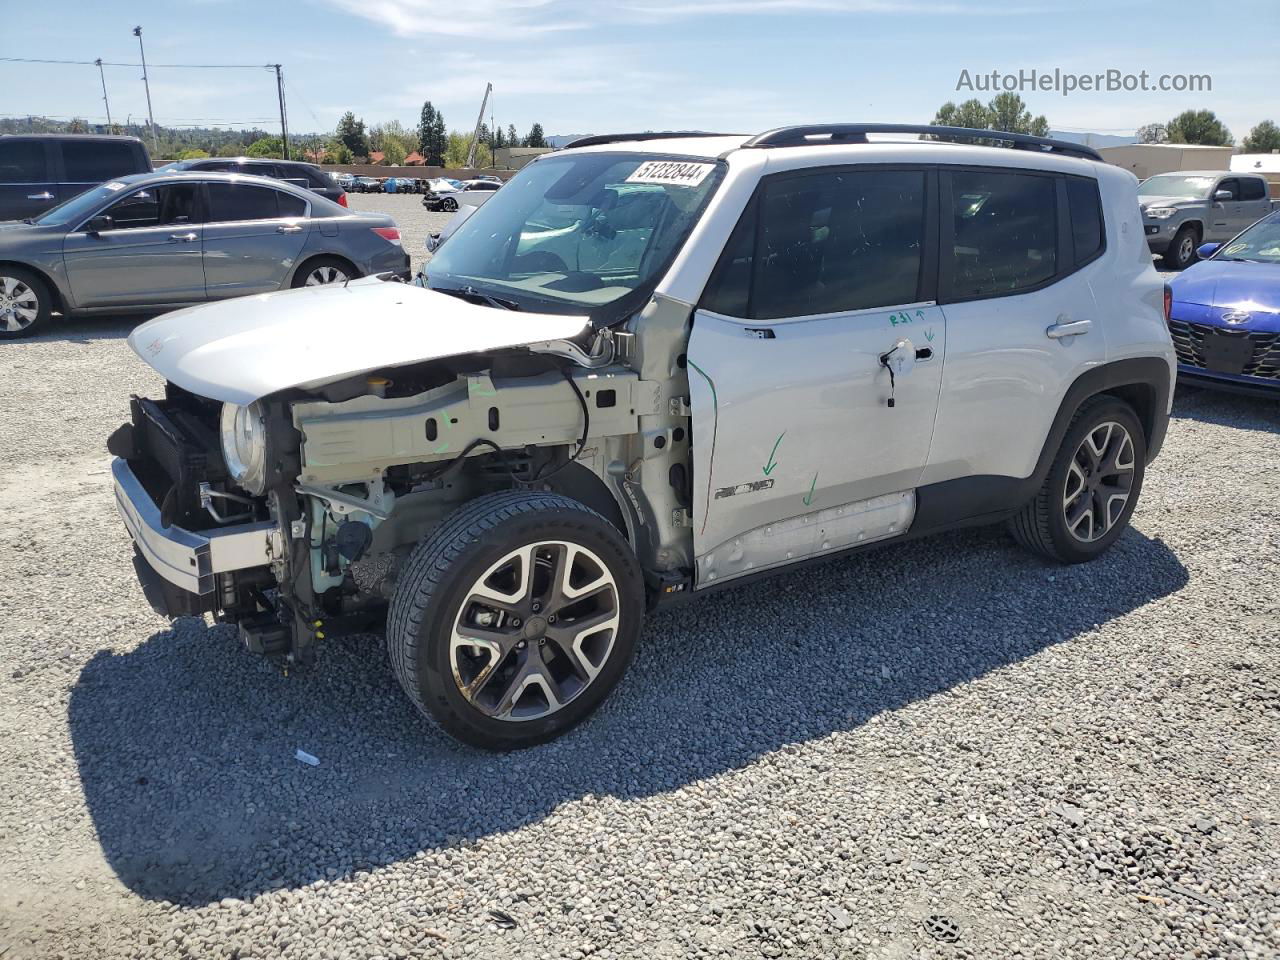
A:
x: 311, y: 258
x: 578, y: 483
x: 59, y: 300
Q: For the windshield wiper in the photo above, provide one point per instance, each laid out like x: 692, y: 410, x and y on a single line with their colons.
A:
x: 471, y: 293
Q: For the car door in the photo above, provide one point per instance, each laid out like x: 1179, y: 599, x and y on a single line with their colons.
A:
x: 150, y: 254
x: 815, y: 361
x: 89, y: 161
x: 28, y: 186
x: 1225, y: 214
x: 252, y: 237
x: 1254, y: 202
x: 1020, y: 251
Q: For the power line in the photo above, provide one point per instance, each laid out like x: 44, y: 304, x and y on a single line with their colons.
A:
x: 168, y: 66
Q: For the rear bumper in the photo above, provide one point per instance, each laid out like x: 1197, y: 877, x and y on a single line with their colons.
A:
x: 184, y: 559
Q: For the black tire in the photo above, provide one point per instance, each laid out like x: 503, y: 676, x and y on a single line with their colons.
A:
x: 438, y: 584
x: 319, y: 266
x: 1042, y: 525
x: 448, y: 205
x: 1182, y: 248
x: 18, y: 287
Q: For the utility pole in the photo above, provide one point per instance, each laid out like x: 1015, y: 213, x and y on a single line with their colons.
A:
x: 284, y: 124
x: 475, y: 139
x: 103, y: 77
x: 151, y: 119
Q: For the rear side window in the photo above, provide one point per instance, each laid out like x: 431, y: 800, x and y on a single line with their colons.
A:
x: 828, y: 242
x: 93, y: 161
x: 22, y: 161
x: 291, y: 206
x: 1004, y: 234
x: 1251, y: 188
x: 1086, y: 218
x: 229, y: 202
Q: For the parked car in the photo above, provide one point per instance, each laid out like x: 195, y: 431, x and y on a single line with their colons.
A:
x: 366, y: 185
x: 1225, y: 319
x: 39, y: 171
x: 342, y: 179
x: 650, y: 367
x: 476, y: 192
x: 175, y: 238
x: 308, y: 176
x: 1182, y: 210
x: 441, y: 194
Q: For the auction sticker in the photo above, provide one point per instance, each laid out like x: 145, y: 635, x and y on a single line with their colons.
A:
x: 671, y: 173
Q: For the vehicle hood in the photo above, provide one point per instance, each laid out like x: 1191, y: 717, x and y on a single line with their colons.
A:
x: 1177, y: 202
x: 240, y: 350
x: 1228, y: 283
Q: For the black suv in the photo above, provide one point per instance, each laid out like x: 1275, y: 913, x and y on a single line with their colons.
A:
x: 305, y: 175
x: 38, y: 171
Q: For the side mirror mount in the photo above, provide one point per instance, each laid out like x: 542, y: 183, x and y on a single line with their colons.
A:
x: 1207, y: 250
x: 99, y: 223
x: 1222, y: 195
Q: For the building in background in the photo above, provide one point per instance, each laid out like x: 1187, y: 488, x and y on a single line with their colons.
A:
x: 1147, y: 159
x: 513, y: 158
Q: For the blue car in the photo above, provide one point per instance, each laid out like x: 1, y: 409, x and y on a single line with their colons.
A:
x: 1225, y: 318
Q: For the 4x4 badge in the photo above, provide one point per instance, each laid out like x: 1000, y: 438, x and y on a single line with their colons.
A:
x: 1236, y: 316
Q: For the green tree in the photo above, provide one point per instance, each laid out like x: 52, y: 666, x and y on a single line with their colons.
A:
x: 513, y: 138
x: 1153, y: 133
x: 536, y: 138
x: 1264, y: 138
x: 426, y: 124
x: 77, y: 126
x: 1006, y: 112
x: 1199, y: 127
x: 351, y: 133
x: 192, y: 154
x: 266, y: 147
x: 336, y: 152
x: 971, y: 113
x: 394, y: 150
x: 458, y: 145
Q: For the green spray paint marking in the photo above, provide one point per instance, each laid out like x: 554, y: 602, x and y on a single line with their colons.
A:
x: 808, y: 497
x: 768, y: 467
x: 442, y: 448
x: 928, y: 335
x: 482, y: 392
x: 715, y: 420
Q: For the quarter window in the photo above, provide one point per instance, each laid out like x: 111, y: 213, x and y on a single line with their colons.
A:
x: 828, y: 242
x: 1086, y: 217
x: 230, y: 202
x: 1004, y: 234
x: 93, y: 161
x: 22, y: 161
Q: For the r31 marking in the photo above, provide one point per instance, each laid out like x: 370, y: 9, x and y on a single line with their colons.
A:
x: 755, y: 486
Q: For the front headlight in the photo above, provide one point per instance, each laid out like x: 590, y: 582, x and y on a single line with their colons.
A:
x: 244, y: 445
x: 1160, y: 213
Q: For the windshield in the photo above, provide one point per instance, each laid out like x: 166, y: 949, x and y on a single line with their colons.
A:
x: 1260, y: 243
x: 1179, y: 187
x: 80, y: 206
x: 579, y: 233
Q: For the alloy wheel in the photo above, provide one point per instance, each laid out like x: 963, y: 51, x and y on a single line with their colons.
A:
x: 534, y: 631
x: 19, y: 305
x: 1099, y: 481
x: 1186, y: 249
x: 325, y: 274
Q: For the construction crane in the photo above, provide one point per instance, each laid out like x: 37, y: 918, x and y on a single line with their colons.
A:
x: 475, y: 140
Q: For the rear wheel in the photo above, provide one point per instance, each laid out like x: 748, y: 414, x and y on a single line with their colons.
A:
x: 25, y: 303
x: 515, y: 618
x: 1092, y: 487
x: 322, y: 271
x: 1182, y: 249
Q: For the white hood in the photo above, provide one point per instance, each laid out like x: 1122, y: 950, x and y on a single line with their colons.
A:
x: 239, y: 350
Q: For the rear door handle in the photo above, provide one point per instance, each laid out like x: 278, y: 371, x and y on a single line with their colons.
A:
x: 289, y: 228
x: 40, y: 196
x: 1068, y: 328
x: 183, y: 237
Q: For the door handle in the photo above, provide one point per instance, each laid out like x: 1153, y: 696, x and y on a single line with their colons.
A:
x: 289, y: 228
x: 40, y: 196
x: 1068, y: 328
x: 183, y: 237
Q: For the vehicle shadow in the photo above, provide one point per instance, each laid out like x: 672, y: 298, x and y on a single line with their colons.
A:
x: 1227, y: 409
x: 185, y: 744
x: 90, y: 329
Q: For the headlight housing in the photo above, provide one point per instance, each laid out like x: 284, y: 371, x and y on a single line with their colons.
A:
x: 1160, y: 213
x: 244, y: 445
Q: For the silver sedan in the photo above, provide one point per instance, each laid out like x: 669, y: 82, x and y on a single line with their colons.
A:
x: 168, y: 240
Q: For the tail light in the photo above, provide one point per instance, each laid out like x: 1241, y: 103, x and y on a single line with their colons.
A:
x: 389, y: 234
x: 342, y: 199
x: 1168, y: 303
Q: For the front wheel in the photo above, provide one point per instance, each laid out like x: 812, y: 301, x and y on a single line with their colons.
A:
x: 515, y: 618
x: 1182, y: 249
x: 449, y: 205
x: 25, y: 303
x: 1092, y: 487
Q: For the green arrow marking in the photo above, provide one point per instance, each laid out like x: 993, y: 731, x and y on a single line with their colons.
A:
x: 808, y: 497
x: 768, y: 467
x: 928, y: 335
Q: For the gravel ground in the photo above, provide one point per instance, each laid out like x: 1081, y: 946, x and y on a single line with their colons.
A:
x: 1052, y: 763
x: 414, y: 220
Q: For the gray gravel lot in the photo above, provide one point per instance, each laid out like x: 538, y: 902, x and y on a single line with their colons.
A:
x: 1062, y: 762
x: 414, y: 220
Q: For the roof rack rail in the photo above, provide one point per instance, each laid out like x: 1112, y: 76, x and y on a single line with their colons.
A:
x: 595, y: 141
x: 823, y: 134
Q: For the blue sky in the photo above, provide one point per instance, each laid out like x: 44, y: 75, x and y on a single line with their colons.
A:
x: 582, y: 66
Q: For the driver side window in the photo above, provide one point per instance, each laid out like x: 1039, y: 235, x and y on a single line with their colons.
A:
x: 162, y: 206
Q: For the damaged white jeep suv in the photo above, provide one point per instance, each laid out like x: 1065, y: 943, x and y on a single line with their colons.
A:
x: 651, y: 366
